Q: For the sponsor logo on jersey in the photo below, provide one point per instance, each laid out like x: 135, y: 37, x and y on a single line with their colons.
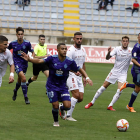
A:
x: 55, y: 64
x: 59, y: 72
x: 20, y: 52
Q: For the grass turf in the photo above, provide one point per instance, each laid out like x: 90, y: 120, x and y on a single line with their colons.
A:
x: 34, y: 122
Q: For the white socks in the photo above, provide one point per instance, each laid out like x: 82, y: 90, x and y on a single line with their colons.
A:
x: 73, y: 103
x: 98, y: 93
x: 116, y: 97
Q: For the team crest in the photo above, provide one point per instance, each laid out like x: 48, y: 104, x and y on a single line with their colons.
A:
x: 24, y: 47
x: 65, y: 66
x: 55, y: 64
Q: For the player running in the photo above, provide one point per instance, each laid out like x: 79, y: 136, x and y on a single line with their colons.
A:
x: 40, y: 51
x: 59, y: 66
x: 5, y: 56
x: 118, y: 73
x: 135, y: 71
x: 74, y: 81
x: 19, y: 46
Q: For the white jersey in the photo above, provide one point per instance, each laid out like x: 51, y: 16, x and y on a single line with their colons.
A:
x: 122, y: 60
x: 5, y: 57
x: 78, y: 55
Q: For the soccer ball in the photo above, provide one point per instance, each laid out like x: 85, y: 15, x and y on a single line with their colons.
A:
x: 122, y: 125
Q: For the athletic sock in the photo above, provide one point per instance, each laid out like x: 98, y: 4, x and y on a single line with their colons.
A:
x: 73, y: 103
x: 115, y: 97
x: 98, y: 93
x: 24, y: 88
x: 17, y: 87
x: 130, y: 85
x: 29, y: 81
x: 55, y: 114
x: 133, y: 98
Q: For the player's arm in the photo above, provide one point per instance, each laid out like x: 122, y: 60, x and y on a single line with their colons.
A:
x: 35, y: 60
x: 84, y: 74
x: 12, y: 70
x: 108, y: 56
x: 84, y: 78
x: 39, y: 57
x: 135, y: 62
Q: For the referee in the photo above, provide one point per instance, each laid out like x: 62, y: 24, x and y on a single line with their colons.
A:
x: 40, y: 51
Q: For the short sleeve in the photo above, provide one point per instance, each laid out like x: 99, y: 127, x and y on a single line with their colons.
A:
x: 10, y: 46
x: 69, y: 53
x: 36, y: 49
x: 30, y: 47
x: 74, y: 66
x: 113, y: 52
x: 10, y: 58
x: 48, y: 60
x: 135, y: 52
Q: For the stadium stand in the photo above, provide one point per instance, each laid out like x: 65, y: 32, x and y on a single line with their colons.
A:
x: 68, y: 16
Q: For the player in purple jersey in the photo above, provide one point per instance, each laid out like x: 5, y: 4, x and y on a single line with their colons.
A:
x: 57, y: 90
x: 19, y: 46
x: 135, y: 71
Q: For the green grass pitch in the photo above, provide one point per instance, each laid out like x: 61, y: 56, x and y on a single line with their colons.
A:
x: 19, y: 121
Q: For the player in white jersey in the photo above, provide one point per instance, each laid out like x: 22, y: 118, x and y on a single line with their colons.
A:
x: 74, y: 81
x: 118, y: 73
x: 5, y: 56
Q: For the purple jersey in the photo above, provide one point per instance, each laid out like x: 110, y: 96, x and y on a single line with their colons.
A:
x: 136, y: 55
x: 18, y: 49
x: 59, y: 72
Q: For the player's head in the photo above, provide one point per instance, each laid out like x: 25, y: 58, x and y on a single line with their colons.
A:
x: 20, y: 33
x: 42, y: 40
x: 139, y: 37
x: 3, y: 43
x: 62, y: 49
x: 78, y: 39
x: 125, y: 41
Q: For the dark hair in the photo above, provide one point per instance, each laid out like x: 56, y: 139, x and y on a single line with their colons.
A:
x: 42, y: 36
x: 19, y: 29
x: 125, y: 37
x: 138, y: 34
x: 77, y: 33
x: 58, y: 46
x: 3, y: 38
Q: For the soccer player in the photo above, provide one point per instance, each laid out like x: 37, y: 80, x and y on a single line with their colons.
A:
x: 5, y: 56
x: 118, y: 73
x: 135, y: 71
x: 57, y: 90
x: 40, y: 51
x: 74, y: 82
x: 20, y: 45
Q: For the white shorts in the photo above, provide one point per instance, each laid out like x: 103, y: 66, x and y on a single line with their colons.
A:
x: 113, y: 77
x: 75, y: 82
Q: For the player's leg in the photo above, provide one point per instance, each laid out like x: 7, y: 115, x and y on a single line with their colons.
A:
x: 36, y: 70
x: 115, y: 97
x: 24, y: 86
x: 136, y: 80
x: 74, y: 100
x: 0, y: 80
x: 98, y: 93
x: 46, y: 72
x: 18, y: 84
x: 55, y: 108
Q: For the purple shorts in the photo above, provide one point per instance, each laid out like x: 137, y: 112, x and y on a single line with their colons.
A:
x: 62, y: 95
x: 19, y: 68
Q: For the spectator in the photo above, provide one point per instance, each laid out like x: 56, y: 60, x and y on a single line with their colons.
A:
x: 135, y: 7
x: 20, y: 2
x: 102, y: 5
x: 109, y: 1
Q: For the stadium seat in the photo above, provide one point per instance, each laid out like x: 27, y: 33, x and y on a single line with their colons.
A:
x: 82, y: 28
x: 60, y: 5
x: 103, y: 30
x: 115, y: 7
x: 110, y: 30
x: 82, y: 17
x: 82, y: 12
x: 122, y: 2
x: 60, y: 28
x: 89, y: 18
x: 89, y: 12
x: 89, y: 29
x: 102, y: 12
x: 81, y: 1
x: 124, y: 31
x: 54, y: 27
x: 95, y: 12
x: 128, y: 20
x: 88, y: 6
x: 108, y: 18
x: 96, y: 30
x: 60, y: 16
x: 82, y: 6
x: 40, y: 26
x: 102, y: 18
x: 95, y: 18
x: 11, y: 25
x: 46, y: 4
x: 109, y: 13
x: 60, y: 11
x: 88, y: 1
x: 117, y: 31
x: 83, y: 22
